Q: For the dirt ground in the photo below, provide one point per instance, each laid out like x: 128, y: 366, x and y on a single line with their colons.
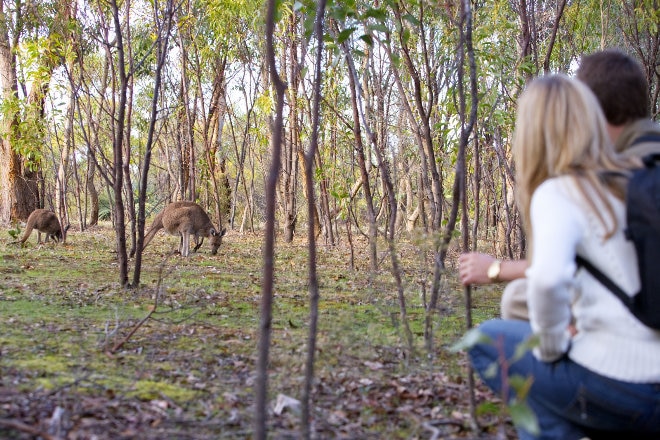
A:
x: 82, y: 358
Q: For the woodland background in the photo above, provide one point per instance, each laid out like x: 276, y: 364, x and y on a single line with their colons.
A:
x: 369, y: 125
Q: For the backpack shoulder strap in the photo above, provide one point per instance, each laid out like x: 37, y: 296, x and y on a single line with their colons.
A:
x: 647, y: 147
x: 650, y: 159
x: 647, y: 137
x: 604, y: 280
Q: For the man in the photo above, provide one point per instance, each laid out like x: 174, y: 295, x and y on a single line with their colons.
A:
x: 620, y: 85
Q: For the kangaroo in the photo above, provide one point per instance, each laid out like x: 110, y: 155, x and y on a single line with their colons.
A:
x: 44, y: 221
x: 157, y: 225
x: 183, y: 219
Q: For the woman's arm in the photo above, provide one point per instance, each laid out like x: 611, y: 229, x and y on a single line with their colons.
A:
x: 556, y: 229
x: 473, y: 269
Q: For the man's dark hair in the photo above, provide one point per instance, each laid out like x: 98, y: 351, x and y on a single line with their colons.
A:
x: 619, y: 83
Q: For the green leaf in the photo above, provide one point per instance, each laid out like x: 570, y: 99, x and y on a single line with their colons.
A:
x: 489, y: 408
x: 523, y: 417
x: 377, y: 13
x: 343, y: 35
x: 367, y: 39
x: 359, y: 53
x: 470, y: 339
x: 16, y: 232
x: 521, y: 385
x: 405, y: 36
x: 379, y: 27
x: 524, y: 347
x: 491, y: 371
x: 411, y: 19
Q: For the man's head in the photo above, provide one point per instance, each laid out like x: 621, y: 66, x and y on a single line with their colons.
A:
x: 619, y: 83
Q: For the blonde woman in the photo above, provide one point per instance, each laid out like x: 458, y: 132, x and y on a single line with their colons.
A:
x: 604, y: 379
x: 620, y: 85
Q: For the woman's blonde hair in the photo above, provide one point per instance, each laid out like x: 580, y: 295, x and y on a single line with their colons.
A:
x: 560, y: 130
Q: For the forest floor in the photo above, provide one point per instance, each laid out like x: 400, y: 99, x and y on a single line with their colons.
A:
x: 70, y: 368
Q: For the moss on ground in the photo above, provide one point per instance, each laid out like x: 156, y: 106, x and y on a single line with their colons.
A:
x: 63, y: 312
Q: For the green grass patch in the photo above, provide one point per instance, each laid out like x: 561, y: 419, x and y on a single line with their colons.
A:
x: 68, y: 327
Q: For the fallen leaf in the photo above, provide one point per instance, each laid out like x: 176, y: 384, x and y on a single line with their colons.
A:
x: 284, y: 402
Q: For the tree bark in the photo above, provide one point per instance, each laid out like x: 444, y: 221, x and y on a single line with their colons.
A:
x: 19, y: 192
x: 266, y: 307
x: 311, y: 236
x: 163, y: 28
x: 291, y: 147
x: 362, y: 163
x: 118, y: 128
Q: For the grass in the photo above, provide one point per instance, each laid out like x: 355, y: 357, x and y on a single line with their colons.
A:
x: 63, y: 310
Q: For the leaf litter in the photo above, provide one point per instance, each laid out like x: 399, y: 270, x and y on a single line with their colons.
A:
x: 189, y: 371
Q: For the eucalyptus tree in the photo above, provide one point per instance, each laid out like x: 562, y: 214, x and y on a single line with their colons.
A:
x: 309, y: 157
x: 641, y: 31
x: 466, y: 58
x: 225, y: 38
x: 295, y: 63
x: 541, y: 45
x: 105, y: 106
x: 119, y: 133
x: 362, y: 158
x: 419, y: 43
x: 33, y: 43
x: 213, y: 42
x: 92, y: 74
x: 242, y: 121
x: 187, y: 108
x: 266, y: 306
x: 162, y: 28
x: 339, y: 181
x: 291, y: 62
x: 419, y: 68
x: 87, y: 75
x: 548, y: 36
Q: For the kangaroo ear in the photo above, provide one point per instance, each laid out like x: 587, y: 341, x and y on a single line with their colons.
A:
x: 224, y: 231
x: 214, y: 232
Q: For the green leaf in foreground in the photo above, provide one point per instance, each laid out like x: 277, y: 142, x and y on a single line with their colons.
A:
x: 524, y: 347
x: 523, y: 417
x: 470, y: 339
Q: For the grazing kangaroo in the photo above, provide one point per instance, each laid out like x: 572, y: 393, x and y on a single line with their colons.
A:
x: 44, y: 221
x: 183, y: 219
x: 157, y: 225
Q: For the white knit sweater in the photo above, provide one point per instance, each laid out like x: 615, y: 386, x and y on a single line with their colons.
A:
x: 610, y: 340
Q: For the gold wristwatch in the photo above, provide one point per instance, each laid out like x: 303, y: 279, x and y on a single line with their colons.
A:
x: 494, y: 270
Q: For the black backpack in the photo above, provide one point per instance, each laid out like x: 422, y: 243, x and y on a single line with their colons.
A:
x: 643, y: 229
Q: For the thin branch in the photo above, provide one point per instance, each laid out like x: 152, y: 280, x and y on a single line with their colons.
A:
x: 146, y: 318
x: 19, y: 426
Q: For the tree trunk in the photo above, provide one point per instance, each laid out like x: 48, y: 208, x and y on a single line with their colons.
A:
x: 359, y: 151
x: 92, y: 192
x: 128, y: 183
x: 213, y: 128
x: 241, y: 158
x: 120, y: 223
x: 266, y: 307
x: 19, y: 193
x: 308, y: 161
x: 61, y: 182
x: 289, y: 180
x: 186, y: 121
x: 163, y: 28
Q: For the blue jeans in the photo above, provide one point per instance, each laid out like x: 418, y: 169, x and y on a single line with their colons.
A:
x: 570, y: 401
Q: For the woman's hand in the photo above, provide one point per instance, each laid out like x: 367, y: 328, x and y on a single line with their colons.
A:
x: 473, y: 268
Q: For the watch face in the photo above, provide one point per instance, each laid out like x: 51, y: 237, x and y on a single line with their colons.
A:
x: 494, y: 270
